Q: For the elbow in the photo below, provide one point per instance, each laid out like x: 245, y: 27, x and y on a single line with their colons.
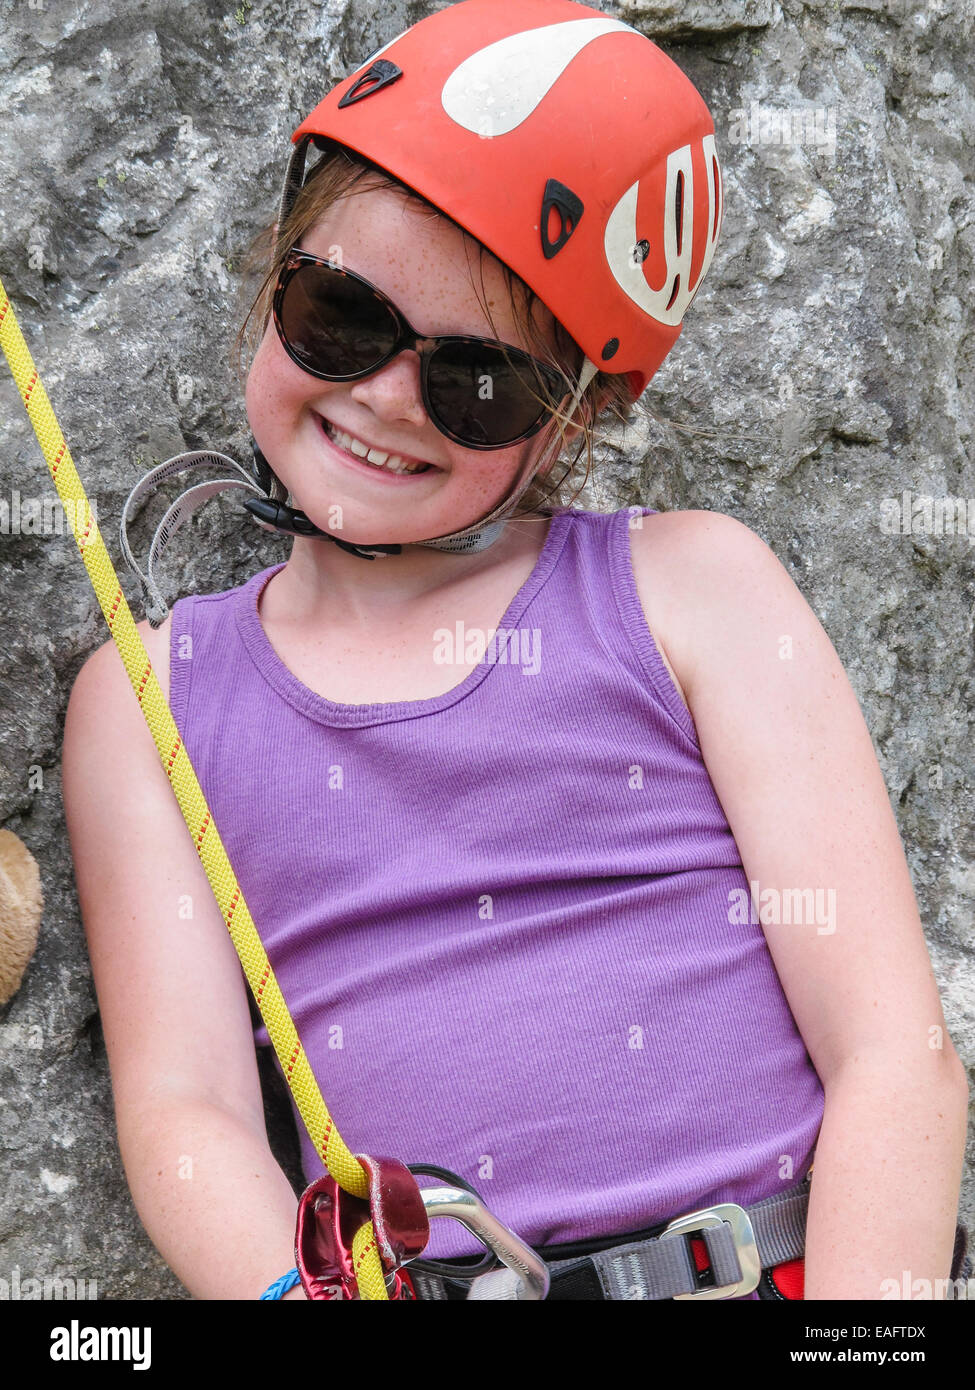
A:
x: 956, y: 1074
x: 938, y: 1073
x: 952, y: 1074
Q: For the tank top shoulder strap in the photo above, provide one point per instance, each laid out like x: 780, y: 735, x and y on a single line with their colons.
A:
x: 203, y: 646
x: 608, y: 586
x: 180, y: 667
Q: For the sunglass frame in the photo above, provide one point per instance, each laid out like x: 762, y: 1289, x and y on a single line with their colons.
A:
x: 409, y: 339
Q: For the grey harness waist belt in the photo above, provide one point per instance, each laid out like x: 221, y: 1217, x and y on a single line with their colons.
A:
x: 740, y: 1243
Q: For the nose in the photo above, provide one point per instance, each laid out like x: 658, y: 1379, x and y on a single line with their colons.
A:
x: 394, y: 392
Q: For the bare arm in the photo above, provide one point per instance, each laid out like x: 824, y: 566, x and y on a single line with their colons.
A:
x: 793, y: 764
x: 173, y: 1001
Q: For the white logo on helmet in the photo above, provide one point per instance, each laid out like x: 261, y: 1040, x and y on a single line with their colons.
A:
x: 622, y: 238
x: 498, y: 87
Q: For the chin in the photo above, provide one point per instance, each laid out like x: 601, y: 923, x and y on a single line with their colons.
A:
x: 388, y: 535
x: 350, y: 519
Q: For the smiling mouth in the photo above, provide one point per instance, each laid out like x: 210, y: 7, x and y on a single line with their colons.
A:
x: 380, y: 459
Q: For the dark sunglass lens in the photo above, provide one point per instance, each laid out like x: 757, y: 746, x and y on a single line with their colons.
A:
x: 334, y: 324
x: 484, y: 395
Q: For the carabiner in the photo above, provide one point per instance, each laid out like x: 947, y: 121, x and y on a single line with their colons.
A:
x: 463, y: 1203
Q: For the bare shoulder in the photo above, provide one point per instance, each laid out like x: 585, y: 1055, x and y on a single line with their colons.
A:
x: 697, y: 569
x: 146, y: 904
x: 675, y: 548
x: 102, y: 675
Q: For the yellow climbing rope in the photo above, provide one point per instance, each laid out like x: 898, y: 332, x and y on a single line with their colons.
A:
x: 338, y: 1159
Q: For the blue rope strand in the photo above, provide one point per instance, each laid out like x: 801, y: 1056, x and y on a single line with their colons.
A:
x: 281, y: 1286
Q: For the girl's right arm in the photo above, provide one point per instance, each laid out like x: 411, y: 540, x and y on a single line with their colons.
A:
x: 173, y: 1001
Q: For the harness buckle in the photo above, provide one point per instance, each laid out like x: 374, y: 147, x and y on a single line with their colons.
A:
x: 745, y: 1247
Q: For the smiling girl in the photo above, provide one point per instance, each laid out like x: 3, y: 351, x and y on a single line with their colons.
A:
x: 503, y: 898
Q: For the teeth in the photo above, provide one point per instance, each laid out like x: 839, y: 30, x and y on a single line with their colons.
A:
x: 392, y: 463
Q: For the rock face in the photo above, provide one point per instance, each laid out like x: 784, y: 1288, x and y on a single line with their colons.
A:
x: 825, y: 368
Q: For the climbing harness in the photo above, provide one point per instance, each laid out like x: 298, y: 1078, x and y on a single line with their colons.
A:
x: 722, y: 1251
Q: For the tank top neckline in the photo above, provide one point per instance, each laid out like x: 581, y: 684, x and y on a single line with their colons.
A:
x: 338, y: 714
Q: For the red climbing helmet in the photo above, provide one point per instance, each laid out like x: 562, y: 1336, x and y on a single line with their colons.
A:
x: 566, y: 142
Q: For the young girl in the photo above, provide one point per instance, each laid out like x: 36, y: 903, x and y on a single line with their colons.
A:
x: 563, y: 830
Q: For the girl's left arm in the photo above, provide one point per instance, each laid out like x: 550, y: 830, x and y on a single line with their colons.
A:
x: 794, y: 767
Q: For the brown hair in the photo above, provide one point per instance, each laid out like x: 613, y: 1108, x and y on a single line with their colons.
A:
x: 340, y: 173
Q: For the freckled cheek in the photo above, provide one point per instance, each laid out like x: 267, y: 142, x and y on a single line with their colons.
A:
x: 275, y: 386
x: 259, y: 388
x: 488, y: 475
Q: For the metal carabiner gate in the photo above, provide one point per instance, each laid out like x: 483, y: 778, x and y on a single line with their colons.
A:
x: 462, y: 1202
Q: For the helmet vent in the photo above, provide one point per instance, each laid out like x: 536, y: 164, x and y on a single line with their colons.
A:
x: 679, y: 204
x: 673, y: 292
x: 611, y: 349
x: 377, y: 76
x: 559, y: 199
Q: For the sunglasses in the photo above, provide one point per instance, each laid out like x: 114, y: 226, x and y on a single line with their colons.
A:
x: 479, y: 392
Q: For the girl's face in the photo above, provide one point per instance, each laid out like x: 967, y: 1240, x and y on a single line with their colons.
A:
x: 418, y: 259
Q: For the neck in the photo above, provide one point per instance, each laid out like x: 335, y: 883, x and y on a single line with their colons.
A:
x: 322, y: 581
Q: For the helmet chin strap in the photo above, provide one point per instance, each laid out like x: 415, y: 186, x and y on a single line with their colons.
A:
x: 274, y: 513
x: 267, y: 500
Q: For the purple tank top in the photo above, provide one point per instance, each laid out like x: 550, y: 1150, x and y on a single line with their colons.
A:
x: 500, y: 916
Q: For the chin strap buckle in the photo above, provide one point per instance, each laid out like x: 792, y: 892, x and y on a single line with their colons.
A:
x: 278, y: 516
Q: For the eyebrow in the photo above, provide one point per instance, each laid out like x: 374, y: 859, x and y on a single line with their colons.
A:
x: 345, y: 265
